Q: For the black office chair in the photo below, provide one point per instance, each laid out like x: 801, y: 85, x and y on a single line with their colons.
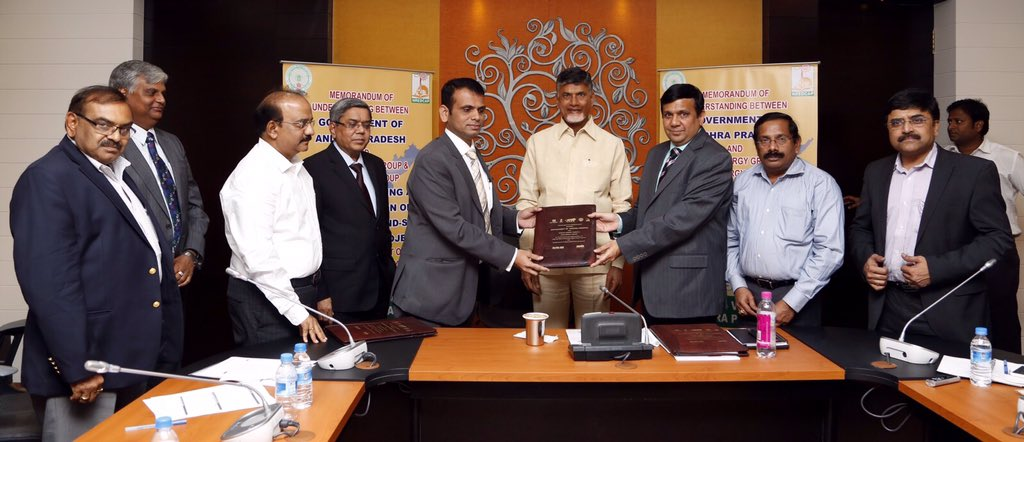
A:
x: 18, y: 421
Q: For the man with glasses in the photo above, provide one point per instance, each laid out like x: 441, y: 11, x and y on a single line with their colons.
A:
x: 928, y: 219
x: 271, y: 225
x: 160, y: 167
x: 95, y: 272
x: 352, y: 206
x: 785, y: 228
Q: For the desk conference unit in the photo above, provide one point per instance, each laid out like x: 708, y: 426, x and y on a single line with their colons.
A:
x: 482, y: 384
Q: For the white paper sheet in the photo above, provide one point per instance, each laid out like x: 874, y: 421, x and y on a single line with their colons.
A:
x: 962, y: 367
x: 547, y: 338
x: 243, y: 369
x: 213, y: 400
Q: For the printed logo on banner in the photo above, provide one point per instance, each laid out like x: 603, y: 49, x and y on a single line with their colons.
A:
x: 671, y: 78
x: 298, y: 78
x: 803, y: 81
x: 421, y: 88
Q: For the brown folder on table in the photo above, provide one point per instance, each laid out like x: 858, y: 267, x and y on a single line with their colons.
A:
x: 698, y: 340
x: 385, y: 329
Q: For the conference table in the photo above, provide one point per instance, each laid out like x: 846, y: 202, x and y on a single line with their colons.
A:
x: 334, y: 402
x: 484, y: 384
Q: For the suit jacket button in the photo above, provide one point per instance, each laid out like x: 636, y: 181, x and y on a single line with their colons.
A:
x: 152, y: 270
x: 156, y: 304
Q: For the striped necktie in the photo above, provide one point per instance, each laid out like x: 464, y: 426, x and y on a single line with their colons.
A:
x: 481, y: 188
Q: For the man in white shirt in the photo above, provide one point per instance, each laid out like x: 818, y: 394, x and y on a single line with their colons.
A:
x: 271, y: 225
x: 968, y: 125
x: 574, y: 162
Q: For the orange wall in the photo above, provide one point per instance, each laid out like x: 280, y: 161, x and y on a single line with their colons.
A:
x: 698, y: 33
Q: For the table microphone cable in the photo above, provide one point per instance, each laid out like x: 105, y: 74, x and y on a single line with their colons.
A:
x: 887, y: 413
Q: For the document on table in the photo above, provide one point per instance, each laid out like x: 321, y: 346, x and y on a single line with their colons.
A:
x: 213, y: 400
x: 245, y: 369
x: 575, y: 336
x: 962, y: 367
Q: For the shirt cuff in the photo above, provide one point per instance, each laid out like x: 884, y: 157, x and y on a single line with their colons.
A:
x: 796, y: 299
x: 296, y: 314
x: 618, y: 231
x: 738, y: 281
x: 513, y: 261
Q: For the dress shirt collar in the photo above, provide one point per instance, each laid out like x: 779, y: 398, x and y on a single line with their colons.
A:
x: 279, y: 161
x: 348, y: 159
x: 928, y: 161
x: 139, y: 135
x: 460, y: 144
x: 589, y: 129
x: 985, y: 148
x: 797, y: 168
x: 118, y: 167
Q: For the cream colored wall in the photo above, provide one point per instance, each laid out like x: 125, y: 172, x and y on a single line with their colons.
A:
x: 978, y: 46
x: 697, y: 33
x: 49, y: 49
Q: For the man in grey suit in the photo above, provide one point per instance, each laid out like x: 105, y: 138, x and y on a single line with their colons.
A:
x: 676, y: 234
x: 159, y: 167
x: 455, y: 219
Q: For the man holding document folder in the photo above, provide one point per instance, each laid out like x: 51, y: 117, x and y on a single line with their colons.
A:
x: 574, y: 162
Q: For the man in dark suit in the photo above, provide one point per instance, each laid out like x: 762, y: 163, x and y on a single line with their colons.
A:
x: 352, y: 204
x: 94, y: 270
x: 676, y: 234
x: 455, y: 219
x: 928, y: 219
x: 160, y: 168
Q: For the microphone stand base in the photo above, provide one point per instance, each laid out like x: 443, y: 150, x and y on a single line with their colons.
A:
x: 907, y: 352
x: 343, y: 358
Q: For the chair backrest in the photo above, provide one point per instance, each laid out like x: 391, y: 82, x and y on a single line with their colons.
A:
x: 10, y: 340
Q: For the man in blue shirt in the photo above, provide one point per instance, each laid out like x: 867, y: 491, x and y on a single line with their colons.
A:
x: 785, y: 229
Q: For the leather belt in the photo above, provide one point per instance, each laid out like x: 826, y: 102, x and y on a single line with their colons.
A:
x: 771, y: 284
x: 900, y: 285
x: 310, y: 280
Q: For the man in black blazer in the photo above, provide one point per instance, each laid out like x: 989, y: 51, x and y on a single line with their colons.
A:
x: 928, y: 219
x: 352, y: 204
x: 94, y: 270
x: 676, y: 234
x: 160, y: 168
x: 455, y: 219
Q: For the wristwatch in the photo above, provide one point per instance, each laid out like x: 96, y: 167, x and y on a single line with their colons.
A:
x: 198, y: 259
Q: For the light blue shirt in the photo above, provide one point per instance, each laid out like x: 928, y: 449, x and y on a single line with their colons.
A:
x: 790, y: 230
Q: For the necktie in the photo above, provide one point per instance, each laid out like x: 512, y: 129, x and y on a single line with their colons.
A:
x: 358, y: 168
x: 672, y: 156
x: 167, y: 186
x: 481, y: 188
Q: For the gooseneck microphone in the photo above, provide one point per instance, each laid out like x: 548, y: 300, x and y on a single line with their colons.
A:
x: 915, y: 354
x: 261, y: 425
x: 345, y: 357
x: 605, y: 290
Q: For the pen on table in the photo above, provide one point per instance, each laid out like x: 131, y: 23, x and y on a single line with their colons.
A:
x: 176, y: 422
x: 1006, y: 367
x: 215, y: 399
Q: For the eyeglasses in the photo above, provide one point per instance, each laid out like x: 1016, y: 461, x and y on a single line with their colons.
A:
x: 766, y: 141
x: 915, y: 121
x: 354, y: 125
x: 298, y: 124
x: 105, y: 128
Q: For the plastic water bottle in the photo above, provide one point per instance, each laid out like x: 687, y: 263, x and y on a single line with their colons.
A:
x: 766, y: 326
x: 304, y: 381
x: 164, y: 430
x: 285, y: 380
x: 981, y: 358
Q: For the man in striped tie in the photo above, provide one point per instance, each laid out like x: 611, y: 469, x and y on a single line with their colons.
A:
x: 676, y: 234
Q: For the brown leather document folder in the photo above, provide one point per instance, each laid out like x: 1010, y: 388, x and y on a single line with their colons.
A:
x: 698, y: 339
x: 565, y: 236
x: 386, y: 329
